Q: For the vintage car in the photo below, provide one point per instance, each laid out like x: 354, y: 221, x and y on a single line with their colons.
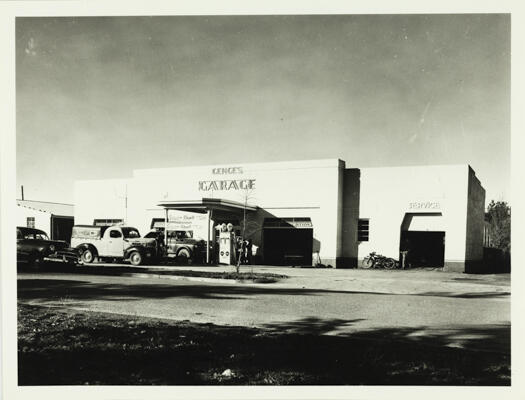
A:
x: 181, y: 245
x: 33, y: 247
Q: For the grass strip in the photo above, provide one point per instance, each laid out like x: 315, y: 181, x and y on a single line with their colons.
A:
x: 67, y: 347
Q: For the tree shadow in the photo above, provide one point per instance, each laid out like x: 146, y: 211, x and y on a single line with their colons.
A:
x: 311, y: 326
x: 48, y: 289
x: 94, y: 348
x: 53, y: 289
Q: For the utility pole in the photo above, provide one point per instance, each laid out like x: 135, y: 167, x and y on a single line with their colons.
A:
x: 126, y: 204
x: 117, y: 192
x: 244, y: 217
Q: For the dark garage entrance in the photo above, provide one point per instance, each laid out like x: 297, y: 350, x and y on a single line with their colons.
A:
x: 61, y: 228
x: 424, y: 248
x: 288, y: 241
x: 423, y: 238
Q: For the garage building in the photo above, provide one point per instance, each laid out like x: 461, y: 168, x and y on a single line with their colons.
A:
x: 306, y: 212
x: 55, y: 219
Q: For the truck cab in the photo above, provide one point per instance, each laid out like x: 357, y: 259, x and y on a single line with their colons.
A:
x: 114, y: 242
x: 117, y: 239
x: 181, y: 245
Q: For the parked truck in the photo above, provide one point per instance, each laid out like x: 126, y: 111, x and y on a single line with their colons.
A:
x: 113, y: 242
x: 181, y: 245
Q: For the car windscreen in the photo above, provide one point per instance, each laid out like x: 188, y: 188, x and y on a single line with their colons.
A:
x: 130, y: 233
x: 35, y: 236
x: 154, y: 235
x: 180, y: 235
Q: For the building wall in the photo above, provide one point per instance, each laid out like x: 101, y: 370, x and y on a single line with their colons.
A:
x: 475, y: 224
x: 339, y: 262
x: 351, y: 188
x: 323, y: 190
x: 42, y: 219
x: 281, y: 189
x: 388, y: 194
x: 101, y: 199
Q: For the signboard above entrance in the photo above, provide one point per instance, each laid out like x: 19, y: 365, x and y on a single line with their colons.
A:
x: 233, y: 184
x: 227, y: 184
x: 227, y: 170
x: 424, y: 206
x: 297, y: 223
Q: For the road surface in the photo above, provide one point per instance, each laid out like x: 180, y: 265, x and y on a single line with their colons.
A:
x: 480, y: 321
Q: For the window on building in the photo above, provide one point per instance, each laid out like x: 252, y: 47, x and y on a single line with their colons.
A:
x: 107, y: 222
x: 30, y: 222
x: 363, y: 226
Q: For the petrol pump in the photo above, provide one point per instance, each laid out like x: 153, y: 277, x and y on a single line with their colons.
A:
x: 226, y: 245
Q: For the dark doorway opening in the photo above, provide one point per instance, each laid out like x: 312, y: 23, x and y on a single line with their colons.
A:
x: 61, y: 228
x: 424, y: 248
x: 288, y: 246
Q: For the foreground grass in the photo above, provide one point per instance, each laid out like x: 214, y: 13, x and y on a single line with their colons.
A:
x: 66, y: 347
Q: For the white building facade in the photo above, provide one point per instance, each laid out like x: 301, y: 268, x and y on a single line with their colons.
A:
x: 308, y: 212
x: 55, y: 219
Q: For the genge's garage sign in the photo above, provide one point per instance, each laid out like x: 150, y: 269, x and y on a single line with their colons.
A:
x: 226, y: 184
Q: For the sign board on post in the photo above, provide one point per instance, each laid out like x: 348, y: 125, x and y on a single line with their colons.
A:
x: 188, y: 221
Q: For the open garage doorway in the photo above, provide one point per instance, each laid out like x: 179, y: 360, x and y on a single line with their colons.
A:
x: 424, y: 249
x: 288, y: 241
x: 61, y: 228
x: 423, y: 240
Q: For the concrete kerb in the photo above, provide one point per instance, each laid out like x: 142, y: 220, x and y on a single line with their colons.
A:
x: 152, y: 274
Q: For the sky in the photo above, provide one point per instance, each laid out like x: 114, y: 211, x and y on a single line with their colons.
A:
x: 97, y: 97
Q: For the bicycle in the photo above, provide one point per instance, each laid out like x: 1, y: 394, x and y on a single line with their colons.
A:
x: 374, y: 260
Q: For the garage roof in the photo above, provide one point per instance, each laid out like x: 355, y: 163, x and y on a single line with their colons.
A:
x: 205, y: 204
x: 62, y: 209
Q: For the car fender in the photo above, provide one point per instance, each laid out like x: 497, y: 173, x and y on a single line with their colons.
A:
x: 36, y: 253
x: 190, y: 249
x: 87, y: 246
x: 140, y: 249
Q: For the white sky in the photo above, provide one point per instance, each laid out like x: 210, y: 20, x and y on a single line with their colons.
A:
x: 98, y: 97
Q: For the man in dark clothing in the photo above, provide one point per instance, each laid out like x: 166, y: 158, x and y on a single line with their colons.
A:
x: 240, y: 248
x: 248, y: 258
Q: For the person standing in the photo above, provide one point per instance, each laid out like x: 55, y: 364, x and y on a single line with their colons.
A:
x: 249, y: 251
x: 239, y: 250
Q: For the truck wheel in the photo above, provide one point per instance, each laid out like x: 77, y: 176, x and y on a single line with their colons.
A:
x: 135, y: 258
x: 36, y: 261
x: 183, y: 255
x: 87, y: 257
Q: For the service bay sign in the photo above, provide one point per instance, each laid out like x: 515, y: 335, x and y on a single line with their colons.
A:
x: 424, y: 206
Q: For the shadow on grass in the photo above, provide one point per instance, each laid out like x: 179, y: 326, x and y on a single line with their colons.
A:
x: 70, y: 348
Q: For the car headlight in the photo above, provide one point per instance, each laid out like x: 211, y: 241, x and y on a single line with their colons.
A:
x: 52, y: 248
